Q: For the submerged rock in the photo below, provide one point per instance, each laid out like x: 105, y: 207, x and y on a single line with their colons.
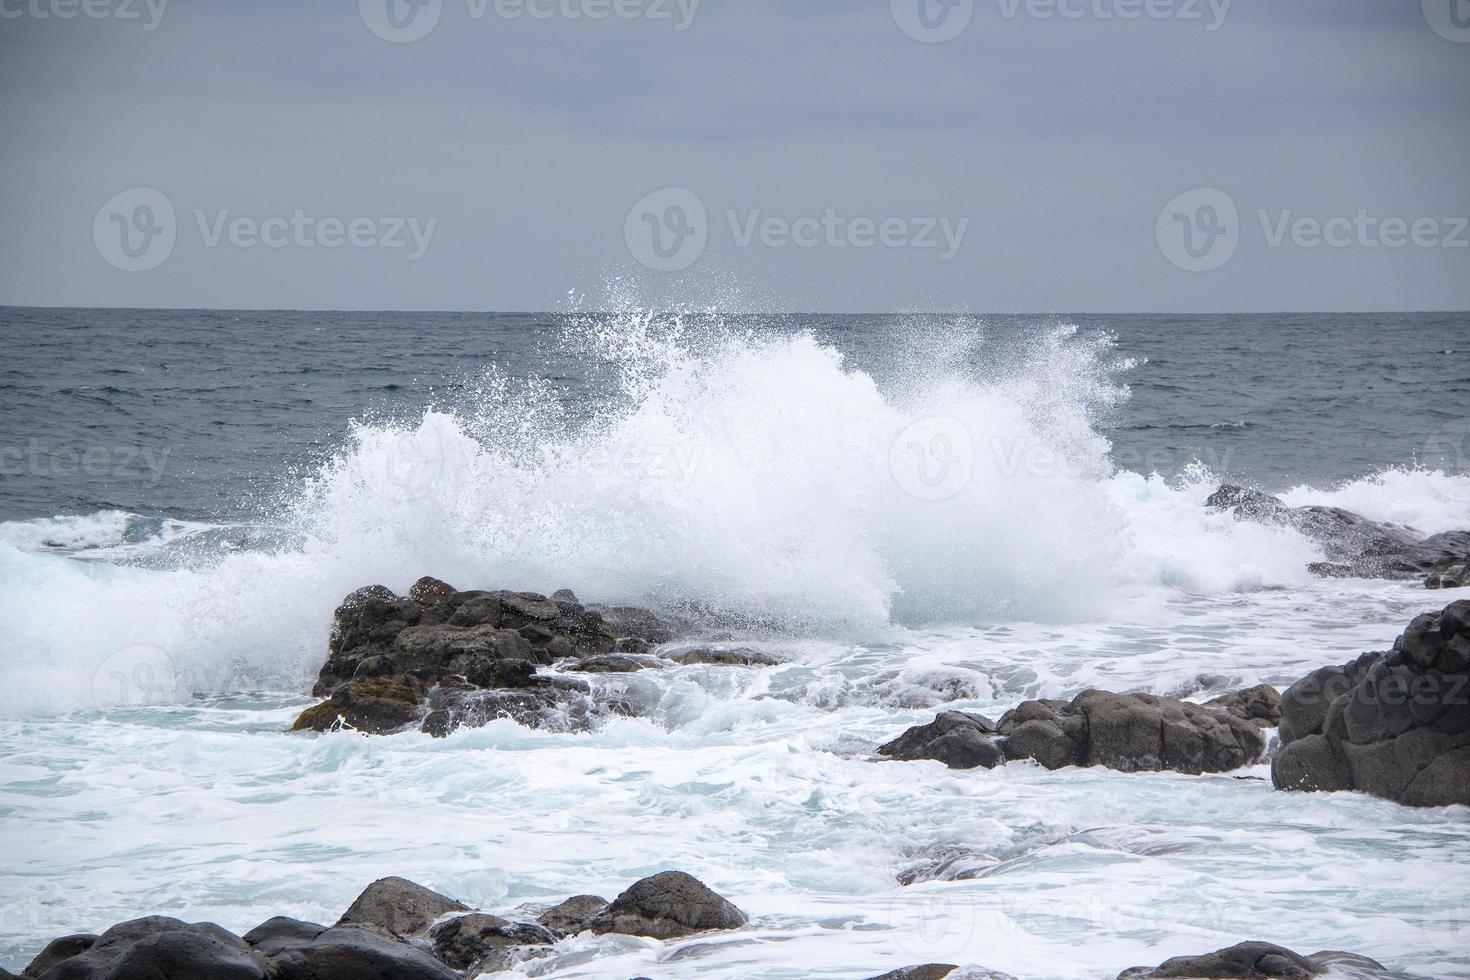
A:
x: 1127, y: 732
x: 1258, y: 961
x: 666, y: 906
x: 1355, y: 546
x: 1395, y: 724
x: 483, y: 942
x: 440, y: 659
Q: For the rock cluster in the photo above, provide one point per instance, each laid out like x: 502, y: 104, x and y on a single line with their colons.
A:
x: 439, y: 658
x: 1128, y: 732
x: 1356, y: 547
x: 1395, y: 724
x: 395, y: 930
x: 1452, y: 573
x: 1260, y: 961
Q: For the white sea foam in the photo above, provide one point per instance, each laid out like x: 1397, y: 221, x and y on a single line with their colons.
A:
x: 753, y: 475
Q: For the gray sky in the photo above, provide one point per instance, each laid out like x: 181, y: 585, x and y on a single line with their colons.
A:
x: 1028, y: 163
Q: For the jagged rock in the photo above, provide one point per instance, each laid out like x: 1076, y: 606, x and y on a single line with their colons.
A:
x: 1255, y: 961
x: 1260, y: 705
x: 357, y: 954
x: 1127, y: 732
x: 280, y: 933
x: 958, y: 739
x: 398, y: 906
x: 1395, y: 724
x: 57, y: 950
x: 574, y: 915
x: 429, y: 660
x: 1355, y: 546
x: 375, y: 705
x: 1452, y: 573
x: 478, y: 940
x: 429, y: 590
x: 666, y: 906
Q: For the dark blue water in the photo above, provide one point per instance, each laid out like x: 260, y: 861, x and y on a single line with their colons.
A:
x: 213, y: 414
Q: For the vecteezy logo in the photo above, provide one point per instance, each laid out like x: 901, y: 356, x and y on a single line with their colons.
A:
x: 1199, y: 230
x: 400, y: 21
x: 135, y: 230
x: 406, y: 464
x: 933, y: 21
x: 1449, y: 18
x: 134, y: 676
x: 933, y: 459
x: 668, y: 230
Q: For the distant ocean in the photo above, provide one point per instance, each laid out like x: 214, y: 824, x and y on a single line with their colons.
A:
x: 914, y: 511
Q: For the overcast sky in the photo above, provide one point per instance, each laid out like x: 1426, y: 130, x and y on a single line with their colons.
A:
x: 847, y: 155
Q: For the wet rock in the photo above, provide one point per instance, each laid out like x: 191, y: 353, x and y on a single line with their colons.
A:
x: 958, y: 739
x: 1131, y: 732
x: 373, y: 705
x: 726, y: 658
x: 482, y: 941
x: 357, y: 954
x: 1452, y: 573
x: 281, y: 933
x: 389, y: 657
x: 206, y: 940
x: 929, y: 971
x: 1395, y: 724
x: 574, y: 915
x: 1355, y: 546
x: 612, y: 663
x: 429, y: 590
x: 1260, y: 705
x: 398, y: 906
x: 1256, y: 961
x: 186, y: 954
x: 57, y: 950
x: 666, y: 906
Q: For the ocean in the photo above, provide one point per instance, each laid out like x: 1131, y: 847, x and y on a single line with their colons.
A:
x: 914, y: 512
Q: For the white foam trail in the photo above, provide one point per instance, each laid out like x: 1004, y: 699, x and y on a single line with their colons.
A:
x: 754, y: 475
x: 1430, y: 501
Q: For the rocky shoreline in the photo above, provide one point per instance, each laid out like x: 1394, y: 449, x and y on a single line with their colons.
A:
x: 1395, y: 724
x: 399, y: 930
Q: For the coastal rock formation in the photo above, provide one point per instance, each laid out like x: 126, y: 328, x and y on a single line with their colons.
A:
x: 395, y: 929
x: 1395, y: 724
x: 1452, y: 573
x: 666, y: 906
x: 1356, y: 547
x: 1127, y: 732
x: 1260, y: 961
x: 440, y: 658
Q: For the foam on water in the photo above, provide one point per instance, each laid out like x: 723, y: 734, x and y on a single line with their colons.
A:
x: 753, y: 475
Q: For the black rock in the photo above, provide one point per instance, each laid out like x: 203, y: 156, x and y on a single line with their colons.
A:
x: 666, y: 906
x: 185, y: 954
x: 357, y: 954
x: 399, y: 907
x: 1355, y: 545
x: 389, y: 657
x: 281, y: 933
x: 203, y: 940
x: 1256, y: 961
x: 574, y: 915
x: 958, y: 739
x: 1395, y: 724
x: 479, y: 940
x: 57, y: 950
x: 1260, y: 705
x: 1452, y: 573
x: 929, y: 971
